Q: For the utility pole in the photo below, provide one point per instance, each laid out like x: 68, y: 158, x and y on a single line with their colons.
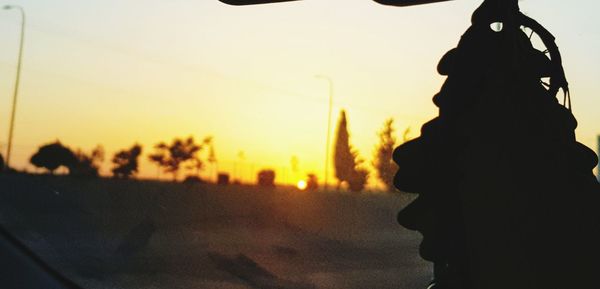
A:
x: 17, y: 82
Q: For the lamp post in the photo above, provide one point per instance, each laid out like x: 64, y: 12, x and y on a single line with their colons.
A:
x: 17, y: 81
x: 327, y: 142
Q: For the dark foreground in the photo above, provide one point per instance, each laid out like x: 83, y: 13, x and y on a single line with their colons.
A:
x: 126, y: 234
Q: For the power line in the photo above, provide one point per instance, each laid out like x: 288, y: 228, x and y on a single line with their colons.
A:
x: 145, y: 57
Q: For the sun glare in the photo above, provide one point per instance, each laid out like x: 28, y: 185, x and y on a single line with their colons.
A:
x: 301, y: 185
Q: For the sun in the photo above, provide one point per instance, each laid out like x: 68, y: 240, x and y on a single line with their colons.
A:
x: 301, y: 185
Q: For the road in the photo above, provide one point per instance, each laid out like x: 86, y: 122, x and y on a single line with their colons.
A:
x: 126, y: 234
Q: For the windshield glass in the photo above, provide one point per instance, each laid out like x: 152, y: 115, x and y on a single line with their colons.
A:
x: 193, y: 144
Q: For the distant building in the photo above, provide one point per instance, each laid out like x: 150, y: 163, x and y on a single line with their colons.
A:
x: 223, y: 179
x: 266, y: 178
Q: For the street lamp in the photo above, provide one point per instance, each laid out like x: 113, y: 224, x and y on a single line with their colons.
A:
x: 327, y: 142
x: 17, y: 81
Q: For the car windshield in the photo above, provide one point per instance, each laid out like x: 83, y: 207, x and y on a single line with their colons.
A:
x: 194, y: 144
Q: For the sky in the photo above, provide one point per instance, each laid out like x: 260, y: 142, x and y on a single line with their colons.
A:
x: 118, y: 72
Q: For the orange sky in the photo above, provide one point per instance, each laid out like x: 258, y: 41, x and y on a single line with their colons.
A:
x: 114, y: 73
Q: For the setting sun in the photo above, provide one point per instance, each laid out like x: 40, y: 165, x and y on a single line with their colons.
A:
x: 302, y: 185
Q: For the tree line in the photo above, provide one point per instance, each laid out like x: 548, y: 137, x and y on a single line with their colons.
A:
x: 350, y: 168
x: 180, y: 154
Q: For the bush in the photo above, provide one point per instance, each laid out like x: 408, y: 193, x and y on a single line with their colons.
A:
x: 87, y: 165
x: 193, y: 180
x: 312, y: 183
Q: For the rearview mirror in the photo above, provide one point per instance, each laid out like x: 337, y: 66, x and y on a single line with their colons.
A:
x: 252, y: 2
x: 384, y: 2
x: 407, y: 2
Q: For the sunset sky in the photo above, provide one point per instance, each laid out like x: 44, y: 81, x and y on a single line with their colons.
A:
x: 117, y: 72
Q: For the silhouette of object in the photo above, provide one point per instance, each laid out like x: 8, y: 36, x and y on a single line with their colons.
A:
x: 358, y: 180
x: 598, y: 152
x: 507, y: 198
x: 1, y: 163
x: 312, y: 183
x: 126, y: 162
x: 407, y: 2
x: 382, y: 155
x: 266, y: 178
x: 193, y: 180
x: 345, y: 159
x: 384, y: 2
x: 180, y: 151
x: 52, y: 156
x: 87, y: 165
x: 223, y: 179
x: 252, y: 2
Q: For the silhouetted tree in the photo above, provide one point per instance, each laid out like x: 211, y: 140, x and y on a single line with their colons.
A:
x: 126, y: 162
x: 346, y: 160
x: 343, y: 156
x: 88, y: 165
x: 52, y: 156
x: 382, y: 157
x: 1, y: 163
x: 179, y: 152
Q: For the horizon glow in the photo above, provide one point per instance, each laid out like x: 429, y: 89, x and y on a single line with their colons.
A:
x: 115, y: 73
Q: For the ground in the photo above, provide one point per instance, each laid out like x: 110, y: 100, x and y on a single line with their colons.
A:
x: 105, y: 233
